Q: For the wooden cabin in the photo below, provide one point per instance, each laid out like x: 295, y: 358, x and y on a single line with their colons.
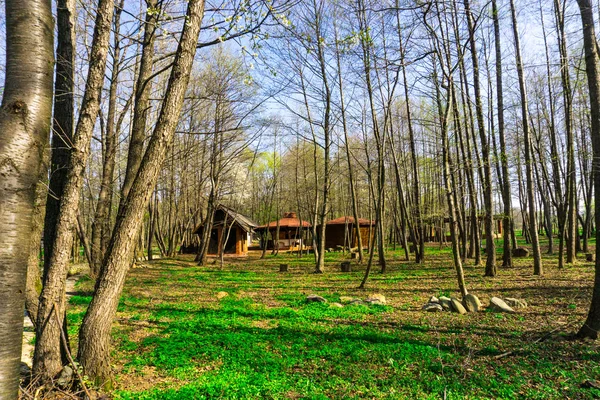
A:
x: 238, y: 226
x: 341, y: 232
x: 292, y: 232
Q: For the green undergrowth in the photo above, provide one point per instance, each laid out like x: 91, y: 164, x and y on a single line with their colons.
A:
x: 176, y: 339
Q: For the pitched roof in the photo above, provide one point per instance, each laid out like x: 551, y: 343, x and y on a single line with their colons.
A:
x: 289, y: 220
x: 231, y: 215
x: 350, y: 220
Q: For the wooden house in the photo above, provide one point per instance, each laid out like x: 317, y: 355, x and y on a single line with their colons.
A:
x: 341, y: 232
x: 238, y: 226
x: 292, y: 232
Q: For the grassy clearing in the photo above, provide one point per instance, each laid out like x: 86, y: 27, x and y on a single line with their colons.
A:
x: 174, y: 339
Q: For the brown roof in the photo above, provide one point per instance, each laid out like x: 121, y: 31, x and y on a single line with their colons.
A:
x: 350, y: 220
x: 289, y: 220
x: 230, y: 215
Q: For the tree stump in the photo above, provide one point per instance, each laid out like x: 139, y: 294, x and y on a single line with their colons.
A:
x: 345, y: 266
x: 283, y: 268
x: 354, y: 256
x: 589, y: 257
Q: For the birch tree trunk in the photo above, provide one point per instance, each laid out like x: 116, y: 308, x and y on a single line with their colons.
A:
x: 24, y: 129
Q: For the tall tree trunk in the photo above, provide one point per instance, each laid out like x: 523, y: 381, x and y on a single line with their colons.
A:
x: 94, y: 335
x: 490, y: 247
x: 571, y: 176
x: 537, y: 257
x: 419, y: 231
x: 109, y: 150
x: 506, y: 196
x: 62, y: 122
x: 47, y: 357
x: 356, y: 225
x: 592, y: 323
x: 379, y: 137
x: 24, y: 130
x: 141, y: 107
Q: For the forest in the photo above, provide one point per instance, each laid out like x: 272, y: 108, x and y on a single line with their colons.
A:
x: 295, y: 199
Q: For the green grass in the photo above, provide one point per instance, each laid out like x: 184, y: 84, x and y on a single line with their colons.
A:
x: 175, y: 340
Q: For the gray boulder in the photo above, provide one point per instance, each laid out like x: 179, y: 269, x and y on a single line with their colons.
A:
x: 446, y: 303
x: 471, y: 303
x: 433, y: 307
x: 515, y: 303
x: 457, y: 306
x: 314, y: 298
x: 336, y: 305
x: 433, y: 299
x: 498, y: 305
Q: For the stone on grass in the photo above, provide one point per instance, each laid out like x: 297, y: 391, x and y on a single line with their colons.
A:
x: 346, y: 299
x: 498, y: 305
x: 433, y: 307
x: 515, y: 303
x: 457, y: 306
x: 315, y: 298
x: 446, y: 303
x: 520, y: 252
x: 433, y: 299
x: 376, y: 299
x: 356, y: 301
x: 471, y: 303
x: 338, y: 305
x: 222, y: 295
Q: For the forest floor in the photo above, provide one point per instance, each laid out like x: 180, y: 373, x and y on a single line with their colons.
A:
x: 177, y: 337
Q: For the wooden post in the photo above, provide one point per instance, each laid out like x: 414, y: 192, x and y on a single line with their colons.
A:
x: 345, y: 266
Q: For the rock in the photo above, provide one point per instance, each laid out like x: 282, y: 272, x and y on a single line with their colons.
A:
x: 471, y: 303
x: 24, y: 369
x: 65, y: 377
x: 433, y: 299
x: 222, y: 295
x: 314, y: 298
x: 356, y: 301
x: 446, y: 303
x: 337, y: 305
x: 346, y: 299
x: 457, y: 306
x: 330, y: 250
x: 433, y: 307
x: 283, y: 268
x: 589, y: 257
x: 498, y: 305
x: 520, y: 252
x: 515, y: 303
x: 376, y: 299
